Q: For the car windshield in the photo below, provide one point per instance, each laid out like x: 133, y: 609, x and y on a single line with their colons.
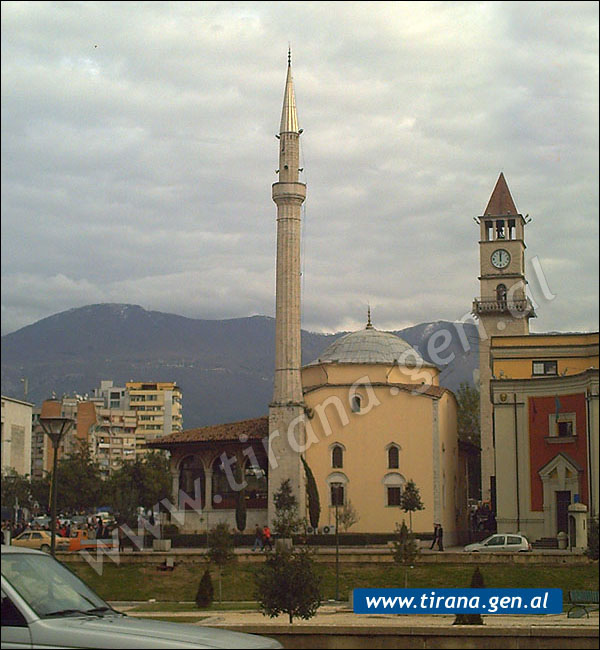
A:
x: 48, y: 587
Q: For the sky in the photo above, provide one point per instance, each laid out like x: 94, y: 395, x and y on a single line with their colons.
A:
x: 138, y: 154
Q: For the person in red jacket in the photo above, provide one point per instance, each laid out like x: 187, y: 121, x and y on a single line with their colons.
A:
x: 267, y: 538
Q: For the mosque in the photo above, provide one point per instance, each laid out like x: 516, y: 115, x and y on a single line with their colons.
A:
x: 366, y: 417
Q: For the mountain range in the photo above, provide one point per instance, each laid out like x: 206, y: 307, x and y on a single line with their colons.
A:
x: 223, y: 367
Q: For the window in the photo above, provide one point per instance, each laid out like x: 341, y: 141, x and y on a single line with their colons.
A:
x: 511, y: 229
x: 393, y: 457
x: 500, y: 229
x: 562, y: 425
x: 501, y: 293
x: 565, y: 429
x: 11, y: 616
x: 337, y: 456
x: 540, y: 368
x: 489, y: 230
x: 337, y: 494
x: 512, y: 539
x: 355, y: 404
x: 394, y: 495
x: 497, y: 540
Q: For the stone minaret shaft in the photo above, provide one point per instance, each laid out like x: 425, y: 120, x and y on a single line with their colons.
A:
x: 289, y: 195
x: 286, y: 412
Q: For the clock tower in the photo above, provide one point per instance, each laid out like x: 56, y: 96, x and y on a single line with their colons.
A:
x: 502, y: 308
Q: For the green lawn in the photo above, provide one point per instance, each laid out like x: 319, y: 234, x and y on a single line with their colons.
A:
x: 138, y: 582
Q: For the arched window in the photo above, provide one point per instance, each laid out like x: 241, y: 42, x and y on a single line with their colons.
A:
x: 393, y: 457
x: 501, y: 293
x: 191, y: 481
x: 355, y: 403
x: 337, y: 482
x: 256, y: 478
x: 338, y: 494
x: 394, y: 484
x: 337, y: 456
x: 223, y: 493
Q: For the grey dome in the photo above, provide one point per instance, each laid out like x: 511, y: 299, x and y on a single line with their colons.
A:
x: 371, y: 346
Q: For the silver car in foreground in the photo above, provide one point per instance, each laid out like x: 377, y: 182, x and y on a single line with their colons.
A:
x: 500, y: 543
x: 44, y: 605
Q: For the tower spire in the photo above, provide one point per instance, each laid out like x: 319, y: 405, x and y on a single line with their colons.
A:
x: 501, y: 202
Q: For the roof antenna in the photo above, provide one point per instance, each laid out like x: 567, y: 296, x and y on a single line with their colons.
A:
x: 289, y: 54
x: 369, y: 324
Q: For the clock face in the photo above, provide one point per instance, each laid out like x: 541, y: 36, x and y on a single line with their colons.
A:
x: 500, y: 258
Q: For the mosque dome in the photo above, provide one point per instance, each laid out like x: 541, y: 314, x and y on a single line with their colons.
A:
x: 371, y: 346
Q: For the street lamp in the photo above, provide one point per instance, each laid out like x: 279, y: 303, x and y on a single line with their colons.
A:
x: 55, y: 428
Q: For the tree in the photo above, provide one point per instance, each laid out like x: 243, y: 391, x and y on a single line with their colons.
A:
x: 79, y: 480
x: 240, y: 503
x: 347, y: 516
x: 143, y: 482
x: 220, y: 550
x: 468, y: 414
x: 205, y: 593
x: 287, y: 522
x: 287, y: 584
x: 16, y: 490
x: 592, y: 549
x: 312, y: 496
x: 477, y: 582
x: 410, y: 501
x: 40, y: 492
x: 405, y: 549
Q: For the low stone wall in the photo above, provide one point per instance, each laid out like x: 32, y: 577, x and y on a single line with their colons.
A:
x: 351, y: 556
x: 488, y: 636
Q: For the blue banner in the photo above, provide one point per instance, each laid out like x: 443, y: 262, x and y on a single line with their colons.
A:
x: 458, y: 601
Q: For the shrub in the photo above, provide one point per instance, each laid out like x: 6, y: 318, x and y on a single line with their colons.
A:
x: 287, y: 583
x: 205, y: 593
x: 592, y: 549
x: 477, y: 582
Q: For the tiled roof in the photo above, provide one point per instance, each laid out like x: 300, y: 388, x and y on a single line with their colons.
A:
x: 501, y: 202
x: 255, y: 429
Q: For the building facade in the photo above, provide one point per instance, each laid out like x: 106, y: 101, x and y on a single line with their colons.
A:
x: 544, y: 395
x: 16, y: 435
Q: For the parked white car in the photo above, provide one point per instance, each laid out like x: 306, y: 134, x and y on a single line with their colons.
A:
x: 500, y: 543
x: 44, y: 605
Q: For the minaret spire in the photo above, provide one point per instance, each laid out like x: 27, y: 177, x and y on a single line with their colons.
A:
x: 289, y: 114
x: 286, y: 411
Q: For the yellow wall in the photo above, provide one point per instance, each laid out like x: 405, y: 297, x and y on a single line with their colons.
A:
x: 512, y: 357
x: 389, y: 415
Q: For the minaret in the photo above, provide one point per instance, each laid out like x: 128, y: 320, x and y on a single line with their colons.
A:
x: 503, y: 308
x: 286, y: 412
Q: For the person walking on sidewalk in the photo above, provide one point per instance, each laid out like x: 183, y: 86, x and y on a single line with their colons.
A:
x: 258, y: 539
x: 267, y: 538
x: 440, y: 537
x: 435, y: 536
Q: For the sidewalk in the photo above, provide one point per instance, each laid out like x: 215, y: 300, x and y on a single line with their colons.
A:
x: 339, y: 614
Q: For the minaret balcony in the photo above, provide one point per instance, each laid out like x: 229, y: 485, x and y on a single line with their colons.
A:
x: 492, y: 305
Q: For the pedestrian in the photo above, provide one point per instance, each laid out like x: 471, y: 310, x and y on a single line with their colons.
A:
x: 266, y: 534
x: 440, y: 537
x: 258, y: 539
x: 121, y: 539
x: 435, y: 536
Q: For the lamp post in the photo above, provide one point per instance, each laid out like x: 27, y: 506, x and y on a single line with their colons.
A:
x: 55, y: 428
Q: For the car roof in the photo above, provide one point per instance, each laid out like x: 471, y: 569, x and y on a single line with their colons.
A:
x: 21, y: 549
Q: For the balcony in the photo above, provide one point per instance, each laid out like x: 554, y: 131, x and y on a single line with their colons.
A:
x: 520, y: 308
